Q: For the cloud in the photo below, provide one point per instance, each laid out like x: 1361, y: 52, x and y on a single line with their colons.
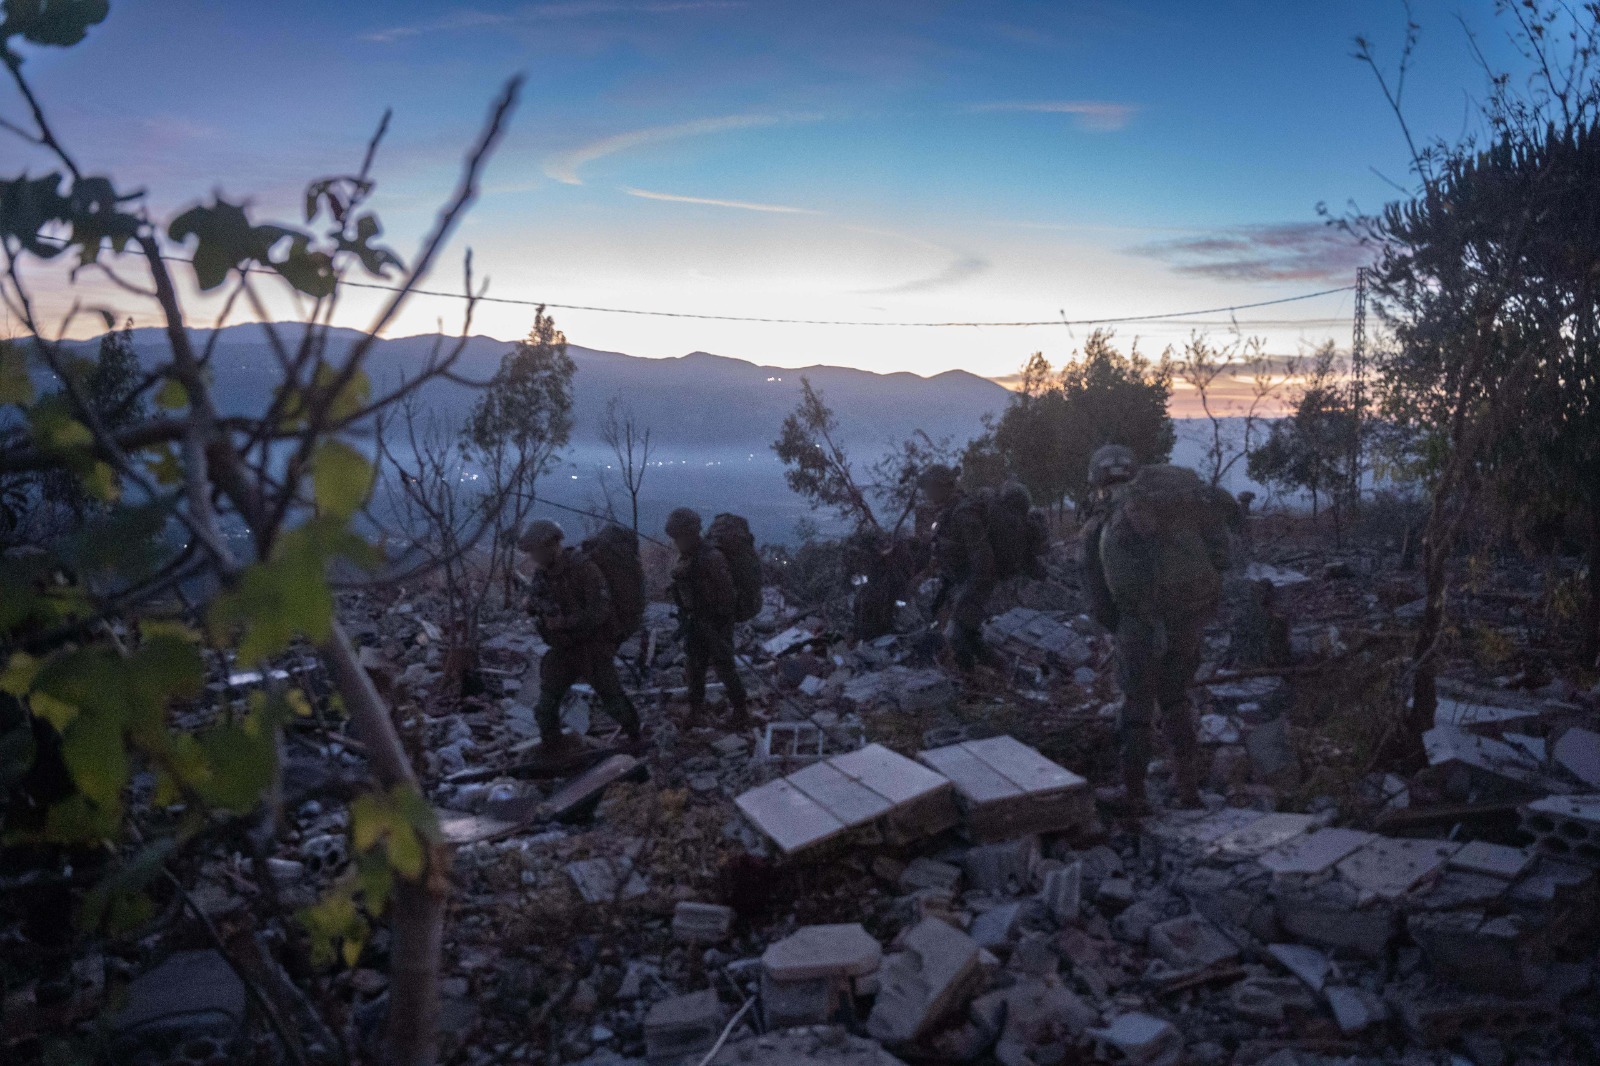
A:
x: 1100, y: 116
x: 469, y: 19
x: 1285, y: 251
x: 743, y: 205
x: 564, y: 167
x: 959, y: 270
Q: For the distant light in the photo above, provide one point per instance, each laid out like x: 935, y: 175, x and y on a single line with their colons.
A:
x: 574, y: 477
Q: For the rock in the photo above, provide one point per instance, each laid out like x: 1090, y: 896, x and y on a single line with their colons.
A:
x: 1134, y: 923
x: 1036, y: 1013
x: 823, y: 951
x: 605, y: 880
x: 1191, y: 943
x: 1005, y: 869
x: 1114, y: 894
x: 994, y: 928
x: 1272, y: 1000
x: 1308, y: 964
x: 701, y: 923
x: 922, y: 984
x: 1355, y: 1009
x: 193, y: 1001
x: 681, y: 1026
x: 923, y: 873
x: 1062, y: 893
x: 1142, y: 1039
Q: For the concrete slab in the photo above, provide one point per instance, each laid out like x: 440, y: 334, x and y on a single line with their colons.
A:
x: 1497, y: 860
x: 792, y: 819
x: 1314, y: 853
x: 823, y: 951
x: 847, y: 799
x: 1389, y: 868
x: 1023, y: 766
x: 1308, y: 964
x: 888, y: 773
x: 1260, y: 836
x: 1578, y: 751
x: 976, y: 780
x: 921, y: 985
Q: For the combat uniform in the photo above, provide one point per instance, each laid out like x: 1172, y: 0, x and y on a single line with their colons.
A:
x: 702, y: 587
x: 1153, y: 575
x: 573, y: 605
x: 966, y: 561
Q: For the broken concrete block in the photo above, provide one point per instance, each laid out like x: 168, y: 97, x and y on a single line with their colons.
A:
x: 1389, y: 868
x: 681, y: 1026
x: 1314, y: 853
x: 921, y: 985
x: 924, y: 873
x: 193, y: 1001
x: 1272, y: 1000
x: 1035, y: 955
x: 1578, y: 752
x: 1141, y: 1039
x: 701, y: 923
x: 1115, y: 894
x: 1565, y: 827
x: 1037, y: 1013
x: 1135, y: 922
x: 1308, y: 964
x: 995, y: 927
x: 823, y: 951
x: 1468, y: 765
x: 1496, y: 860
x: 1004, y: 869
x: 1062, y: 892
x: 1260, y: 836
x: 606, y: 880
x: 1191, y: 943
x: 1501, y: 955
x: 1442, y: 1020
x: 1328, y: 915
x: 817, y: 1001
x: 1355, y: 1009
x: 1039, y: 638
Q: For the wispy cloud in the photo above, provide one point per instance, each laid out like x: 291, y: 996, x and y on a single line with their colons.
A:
x: 565, y: 166
x: 1101, y: 116
x: 471, y: 19
x: 962, y: 265
x: 743, y: 205
x: 1287, y: 251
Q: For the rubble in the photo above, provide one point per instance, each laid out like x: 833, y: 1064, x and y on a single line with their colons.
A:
x: 1039, y: 637
x: 192, y: 1006
x: 1007, y: 789
x: 681, y: 1026
x: 922, y: 982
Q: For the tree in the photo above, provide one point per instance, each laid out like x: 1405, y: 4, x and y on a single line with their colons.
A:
x: 1486, y: 278
x: 818, y: 467
x: 1056, y: 421
x: 519, y: 425
x: 1201, y: 366
x: 163, y: 601
x: 1309, y: 450
x: 631, y: 448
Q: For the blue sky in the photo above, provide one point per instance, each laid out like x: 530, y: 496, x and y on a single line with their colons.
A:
x: 866, y: 160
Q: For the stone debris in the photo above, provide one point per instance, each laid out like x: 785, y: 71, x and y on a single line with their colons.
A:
x: 1039, y: 637
x: 1141, y: 1039
x: 681, y: 1026
x: 192, y: 1005
x: 1577, y: 751
x: 1566, y: 827
x: 922, y: 982
x: 701, y: 923
x: 823, y: 951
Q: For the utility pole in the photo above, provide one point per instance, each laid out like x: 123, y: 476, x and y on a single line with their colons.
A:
x: 1358, y: 382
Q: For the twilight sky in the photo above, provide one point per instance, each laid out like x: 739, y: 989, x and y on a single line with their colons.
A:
x: 882, y: 160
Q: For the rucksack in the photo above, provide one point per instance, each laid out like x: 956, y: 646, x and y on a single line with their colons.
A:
x: 615, y: 551
x: 731, y: 536
x: 1165, y: 539
x: 1018, y: 534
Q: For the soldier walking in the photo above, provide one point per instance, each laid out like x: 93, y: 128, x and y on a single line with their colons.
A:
x: 1154, y: 548
x: 703, y: 588
x: 573, y: 606
x: 964, y: 556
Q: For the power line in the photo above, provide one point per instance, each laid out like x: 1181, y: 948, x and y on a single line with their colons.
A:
x: 1168, y: 316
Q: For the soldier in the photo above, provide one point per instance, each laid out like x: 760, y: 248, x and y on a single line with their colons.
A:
x: 573, y: 606
x: 965, y: 558
x: 1154, y: 547
x: 703, y: 589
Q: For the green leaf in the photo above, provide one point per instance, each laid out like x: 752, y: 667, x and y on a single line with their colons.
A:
x: 350, y: 950
x: 405, y: 852
x: 19, y: 673
x: 341, y: 478
x: 58, y: 713
x: 242, y: 761
x: 15, y: 384
x: 376, y: 879
x: 92, y: 749
x: 172, y: 395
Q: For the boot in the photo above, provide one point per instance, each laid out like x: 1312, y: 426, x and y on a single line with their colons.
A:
x: 1130, y: 800
x: 558, y: 752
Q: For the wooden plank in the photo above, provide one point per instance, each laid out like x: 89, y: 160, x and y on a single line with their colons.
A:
x: 974, y: 779
x: 1022, y: 766
x: 791, y: 818
x: 888, y: 773
x: 843, y: 797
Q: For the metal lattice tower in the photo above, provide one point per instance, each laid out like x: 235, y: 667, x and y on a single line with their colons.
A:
x: 1358, y: 378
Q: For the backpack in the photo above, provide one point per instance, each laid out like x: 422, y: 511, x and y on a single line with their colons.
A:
x: 1165, y: 540
x: 615, y: 551
x: 1018, y: 534
x: 731, y: 536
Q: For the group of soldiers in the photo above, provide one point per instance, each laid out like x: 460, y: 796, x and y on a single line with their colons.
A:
x: 1155, y: 542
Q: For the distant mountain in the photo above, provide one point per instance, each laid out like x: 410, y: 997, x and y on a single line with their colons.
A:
x: 696, y: 401
x: 712, y: 418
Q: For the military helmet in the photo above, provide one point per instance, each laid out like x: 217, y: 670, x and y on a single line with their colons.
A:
x: 540, y: 531
x: 938, y: 476
x: 1015, y: 495
x: 683, y: 520
x: 1111, y: 464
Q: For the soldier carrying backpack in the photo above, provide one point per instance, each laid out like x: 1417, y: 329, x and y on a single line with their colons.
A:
x: 713, y: 593
x: 1154, y: 549
x: 979, y: 539
x: 578, y: 616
